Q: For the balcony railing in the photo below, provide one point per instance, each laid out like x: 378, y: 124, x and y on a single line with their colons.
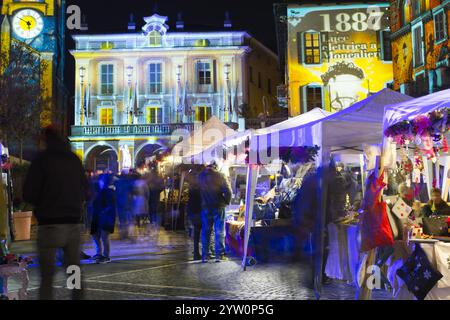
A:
x: 132, y: 130
x: 137, y: 130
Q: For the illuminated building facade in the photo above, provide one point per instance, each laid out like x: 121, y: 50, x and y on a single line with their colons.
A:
x: 336, y: 55
x: 133, y: 90
x: 40, y: 24
x: 420, y: 45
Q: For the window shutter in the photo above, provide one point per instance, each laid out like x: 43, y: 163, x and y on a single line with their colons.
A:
x: 299, y: 47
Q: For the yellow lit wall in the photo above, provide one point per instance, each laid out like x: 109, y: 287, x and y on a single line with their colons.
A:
x: 351, y: 65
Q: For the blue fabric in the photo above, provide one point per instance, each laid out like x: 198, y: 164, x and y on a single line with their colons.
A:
x: 418, y: 274
x: 213, y: 218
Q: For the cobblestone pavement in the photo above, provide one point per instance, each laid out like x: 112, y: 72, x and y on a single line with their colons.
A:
x: 160, y: 269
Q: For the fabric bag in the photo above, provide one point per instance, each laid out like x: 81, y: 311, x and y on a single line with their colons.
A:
x: 418, y: 274
x: 442, y: 253
x: 375, y: 227
x: 435, y: 226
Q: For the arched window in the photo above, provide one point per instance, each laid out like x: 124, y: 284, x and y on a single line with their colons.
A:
x: 155, y: 39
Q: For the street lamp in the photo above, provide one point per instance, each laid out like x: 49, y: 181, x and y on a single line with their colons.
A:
x: 178, y: 72
x: 82, y: 71
x: 82, y: 74
x: 129, y: 74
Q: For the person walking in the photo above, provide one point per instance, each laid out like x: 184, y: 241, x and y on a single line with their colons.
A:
x: 216, y: 195
x: 194, y: 211
x: 104, y: 220
x: 123, y: 191
x: 140, y: 196
x: 155, y: 185
x: 56, y: 186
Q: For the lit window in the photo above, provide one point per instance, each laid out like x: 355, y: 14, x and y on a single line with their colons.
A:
x: 440, y: 26
x: 313, y: 97
x: 202, y: 114
x: 155, y: 39
x: 418, y: 46
x: 155, y: 78
x: 154, y: 115
x: 107, y: 79
x: 312, y: 47
x: 204, y: 73
x: 106, y: 116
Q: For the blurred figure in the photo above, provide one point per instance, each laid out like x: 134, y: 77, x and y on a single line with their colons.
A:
x: 123, y: 191
x: 104, y: 219
x: 139, y: 202
x: 56, y: 186
x: 155, y: 186
x: 216, y: 195
x: 194, y: 211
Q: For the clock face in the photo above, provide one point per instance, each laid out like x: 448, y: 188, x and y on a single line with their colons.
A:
x: 28, y: 24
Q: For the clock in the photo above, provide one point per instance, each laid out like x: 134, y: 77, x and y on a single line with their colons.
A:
x: 28, y: 23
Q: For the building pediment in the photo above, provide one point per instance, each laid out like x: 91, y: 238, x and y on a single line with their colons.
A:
x: 155, y: 23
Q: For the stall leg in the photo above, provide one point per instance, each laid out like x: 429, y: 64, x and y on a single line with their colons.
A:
x: 252, y: 177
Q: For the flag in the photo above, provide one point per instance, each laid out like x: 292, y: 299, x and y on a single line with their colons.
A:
x: 135, y: 105
x: 236, y: 98
x: 187, y: 107
x: 87, y: 94
x: 180, y: 99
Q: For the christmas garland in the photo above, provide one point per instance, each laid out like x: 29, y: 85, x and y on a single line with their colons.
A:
x: 299, y: 154
x: 425, y: 130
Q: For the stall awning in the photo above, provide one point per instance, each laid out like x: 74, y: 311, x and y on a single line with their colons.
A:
x: 349, y: 128
x: 411, y: 109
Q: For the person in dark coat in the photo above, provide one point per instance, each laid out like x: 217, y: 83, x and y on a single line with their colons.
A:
x: 216, y: 195
x: 194, y: 211
x: 57, y: 187
x: 104, y: 220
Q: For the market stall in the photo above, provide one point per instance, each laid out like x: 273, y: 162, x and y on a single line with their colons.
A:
x: 418, y: 130
x: 347, y: 130
x: 274, y: 190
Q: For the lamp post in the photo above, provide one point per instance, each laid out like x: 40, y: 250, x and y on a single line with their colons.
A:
x: 179, y: 107
x: 82, y: 71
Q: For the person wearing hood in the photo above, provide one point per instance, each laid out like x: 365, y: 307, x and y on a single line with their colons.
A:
x: 57, y: 187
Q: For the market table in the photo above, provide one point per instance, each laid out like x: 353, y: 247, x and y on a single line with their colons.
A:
x: 18, y: 270
x: 343, y: 253
x: 402, y: 250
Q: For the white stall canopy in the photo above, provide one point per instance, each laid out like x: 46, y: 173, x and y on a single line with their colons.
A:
x: 349, y: 129
x: 411, y: 109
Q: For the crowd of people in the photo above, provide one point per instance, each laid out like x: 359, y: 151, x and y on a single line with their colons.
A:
x: 65, y: 197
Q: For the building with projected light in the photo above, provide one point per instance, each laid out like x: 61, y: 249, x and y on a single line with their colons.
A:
x: 134, y: 90
x: 335, y: 55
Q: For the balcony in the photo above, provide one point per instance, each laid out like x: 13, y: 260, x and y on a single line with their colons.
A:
x: 137, y: 130
x: 132, y: 130
x: 258, y: 123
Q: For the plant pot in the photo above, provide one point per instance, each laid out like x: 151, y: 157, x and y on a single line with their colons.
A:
x: 22, y: 225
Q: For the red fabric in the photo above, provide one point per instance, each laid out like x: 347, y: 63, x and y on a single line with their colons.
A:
x: 375, y: 227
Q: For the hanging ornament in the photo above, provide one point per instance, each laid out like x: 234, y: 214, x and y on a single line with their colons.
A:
x: 428, y: 147
x: 418, y: 140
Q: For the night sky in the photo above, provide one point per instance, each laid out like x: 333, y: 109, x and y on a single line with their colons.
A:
x: 254, y: 16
